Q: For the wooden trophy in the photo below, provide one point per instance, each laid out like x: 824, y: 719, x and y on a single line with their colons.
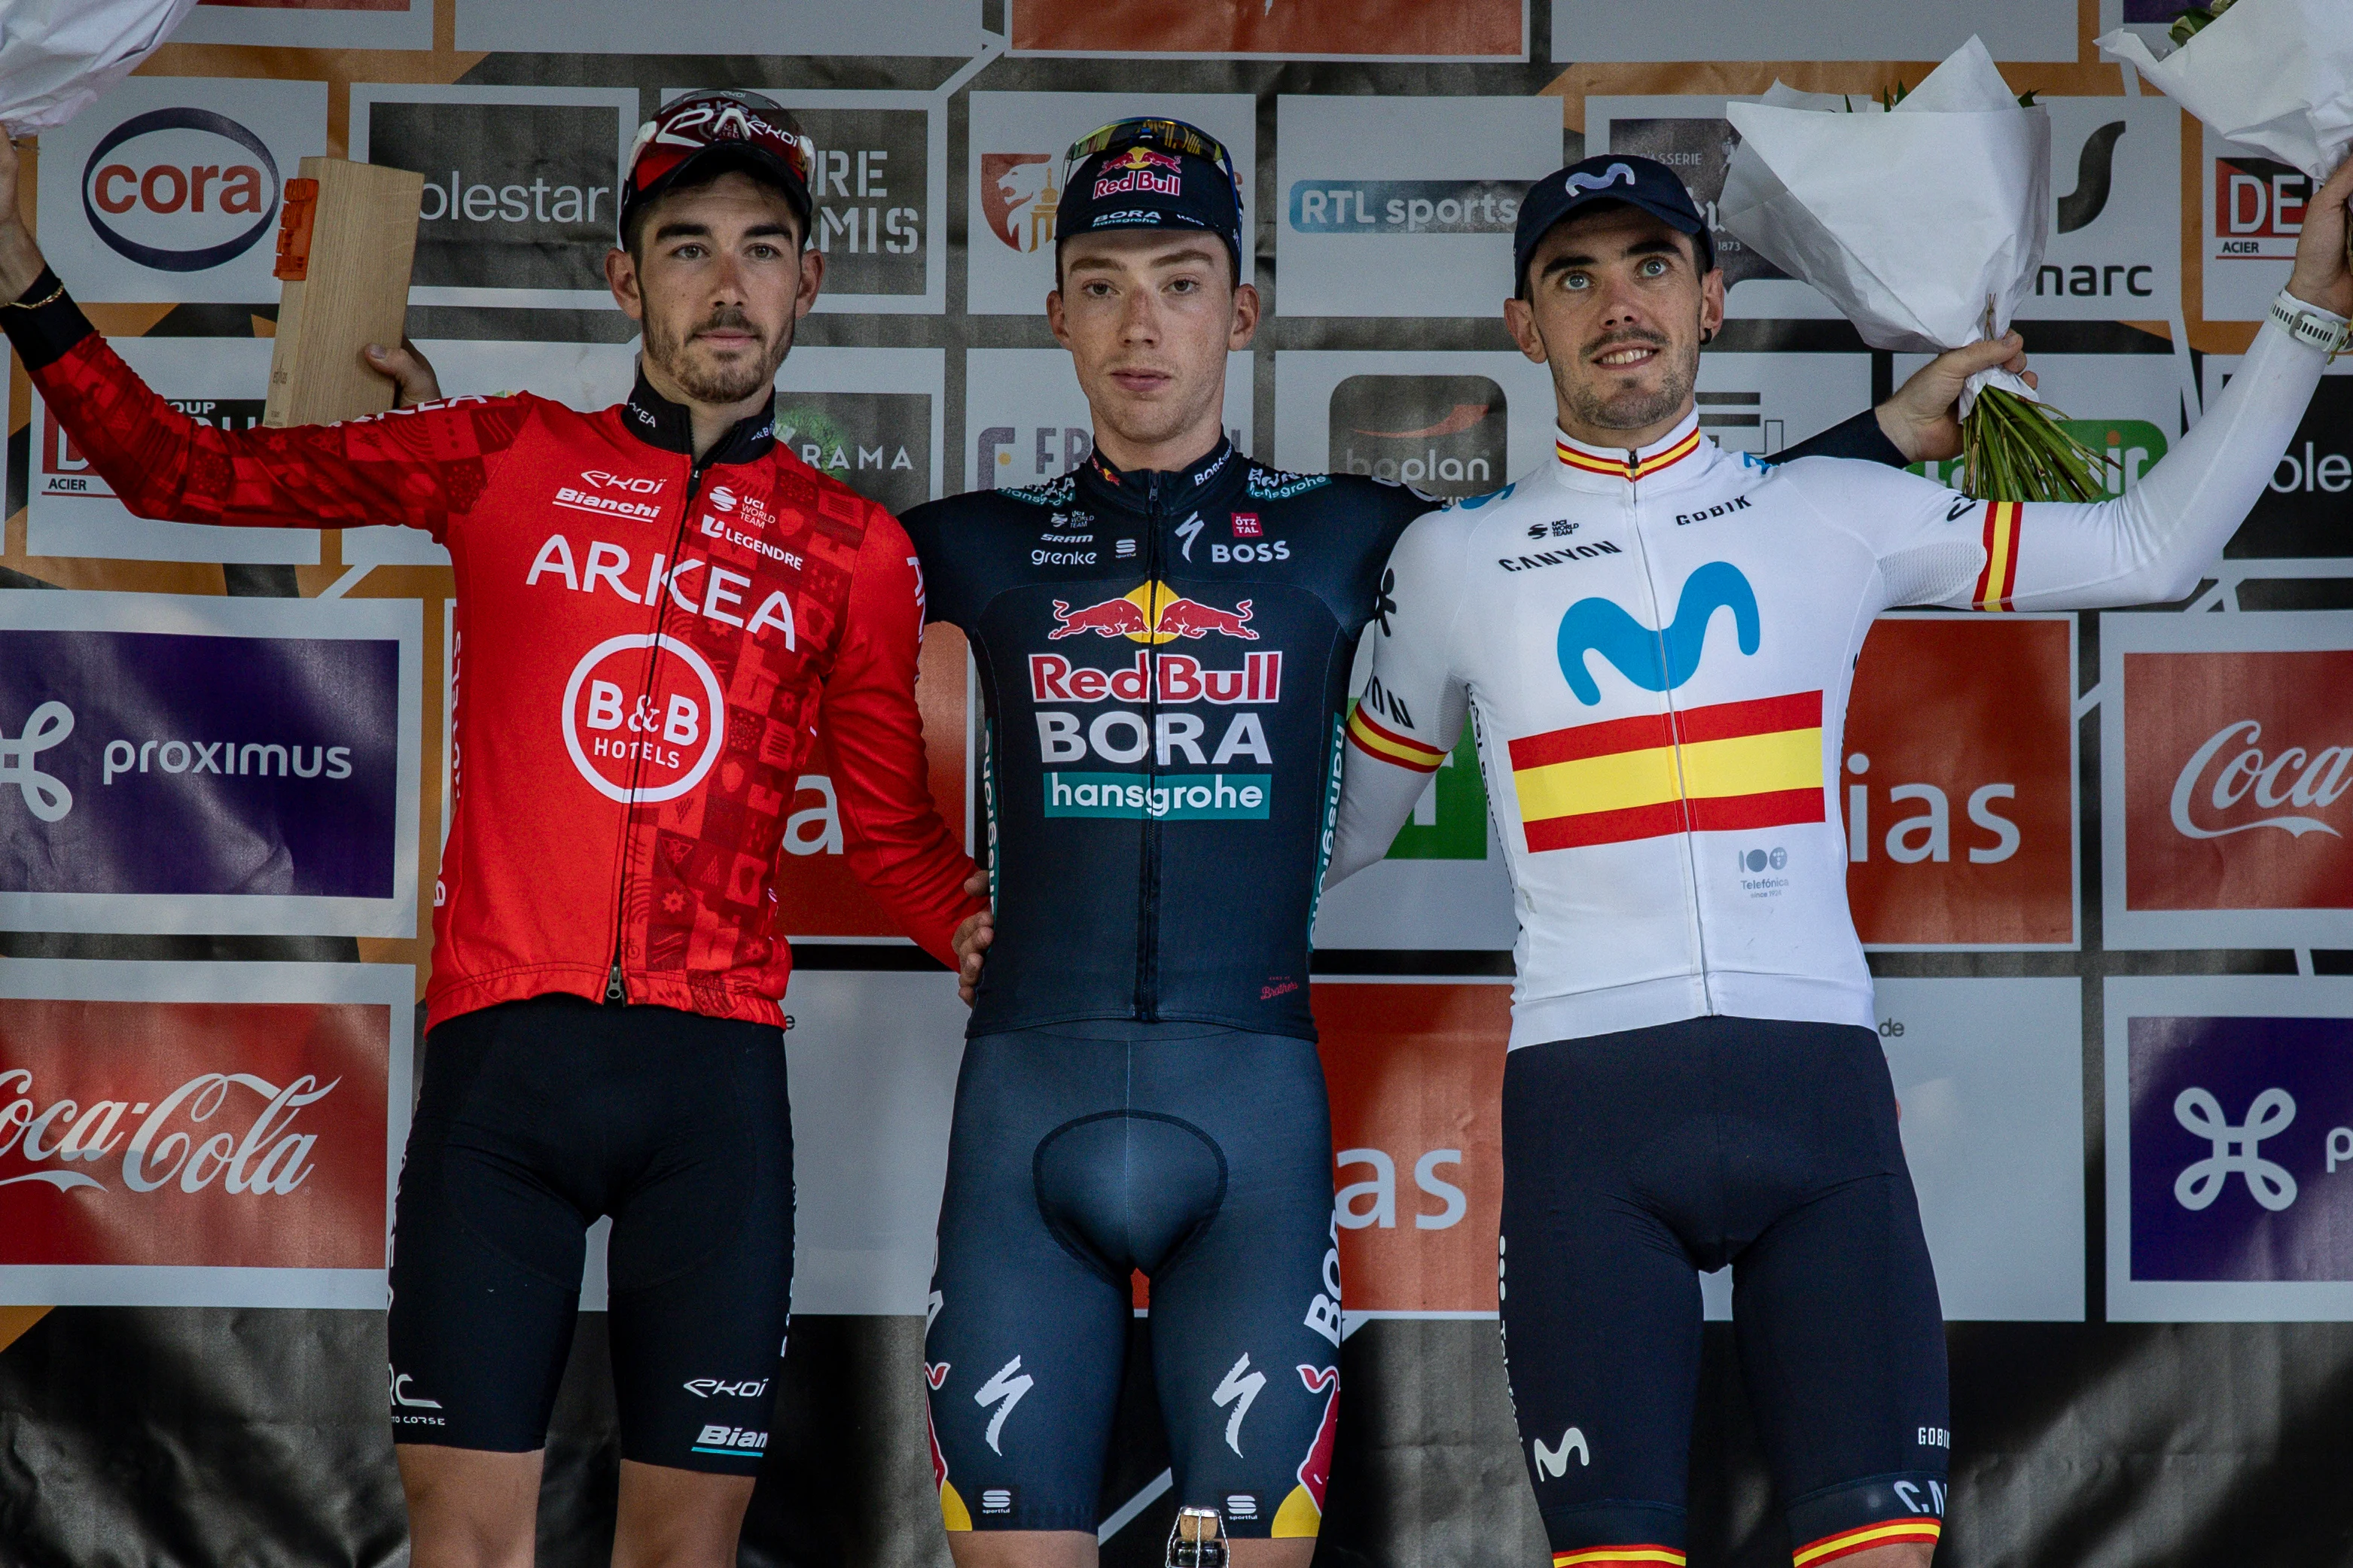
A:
x: 346, y: 237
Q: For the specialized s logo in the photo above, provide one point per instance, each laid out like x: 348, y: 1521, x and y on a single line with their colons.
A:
x: 1661, y: 660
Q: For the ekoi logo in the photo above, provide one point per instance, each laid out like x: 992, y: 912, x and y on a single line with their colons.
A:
x: 1658, y: 660
x: 638, y: 734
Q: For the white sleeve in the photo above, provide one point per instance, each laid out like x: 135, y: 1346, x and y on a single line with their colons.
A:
x: 1411, y: 713
x: 2150, y: 545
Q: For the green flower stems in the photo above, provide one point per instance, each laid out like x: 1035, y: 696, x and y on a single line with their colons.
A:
x: 2015, y: 449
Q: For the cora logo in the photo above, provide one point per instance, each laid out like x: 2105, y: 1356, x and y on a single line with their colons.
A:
x: 172, y: 189
x: 638, y: 741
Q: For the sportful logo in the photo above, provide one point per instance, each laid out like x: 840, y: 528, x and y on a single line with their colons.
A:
x: 45, y: 797
x: 1665, y: 659
x: 2235, y: 1149
x: 244, y: 180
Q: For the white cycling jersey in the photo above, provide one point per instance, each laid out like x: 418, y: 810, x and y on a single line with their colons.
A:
x: 1657, y: 646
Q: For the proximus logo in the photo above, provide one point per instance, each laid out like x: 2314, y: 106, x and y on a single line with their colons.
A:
x: 1656, y: 660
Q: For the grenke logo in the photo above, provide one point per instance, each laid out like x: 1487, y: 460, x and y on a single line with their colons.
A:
x: 1444, y: 433
x: 179, y: 190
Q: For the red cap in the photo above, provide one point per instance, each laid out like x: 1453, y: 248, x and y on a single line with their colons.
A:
x: 745, y: 128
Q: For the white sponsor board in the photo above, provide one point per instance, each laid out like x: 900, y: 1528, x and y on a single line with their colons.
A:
x: 1988, y: 1078
x: 1810, y: 30
x: 2251, y: 211
x: 247, y: 1146
x: 1404, y: 207
x: 1027, y: 422
x: 1018, y: 140
x: 729, y: 28
x: 2114, y: 252
x: 169, y: 187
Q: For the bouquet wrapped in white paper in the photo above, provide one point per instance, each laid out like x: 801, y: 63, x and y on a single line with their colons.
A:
x: 1924, y: 225
x: 56, y: 56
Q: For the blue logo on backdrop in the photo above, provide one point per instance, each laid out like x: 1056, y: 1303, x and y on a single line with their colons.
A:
x: 2242, y: 1148
x: 148, y: 763
x: 1659, y: 660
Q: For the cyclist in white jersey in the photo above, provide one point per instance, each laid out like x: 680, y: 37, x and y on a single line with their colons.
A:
x: 1656, y: 638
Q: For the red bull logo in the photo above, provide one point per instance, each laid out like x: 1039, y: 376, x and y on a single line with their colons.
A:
x: 1152, y: 613
x: 1167, y: 676
x: 1144, y: 158
x: 1140, y: 170
x: 1302, y: 1513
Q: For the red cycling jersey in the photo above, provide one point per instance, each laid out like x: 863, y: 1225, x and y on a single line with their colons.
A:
x: 647, y: 646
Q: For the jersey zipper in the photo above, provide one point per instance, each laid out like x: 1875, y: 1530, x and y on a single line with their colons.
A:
x: 1147, y: 909
x: 1695, y: 929
x: 616, y: 991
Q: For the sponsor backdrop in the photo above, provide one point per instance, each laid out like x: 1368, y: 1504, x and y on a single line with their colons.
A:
x: 2099, y: 861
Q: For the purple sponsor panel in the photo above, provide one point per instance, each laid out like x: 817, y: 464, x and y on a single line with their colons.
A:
x: 2242, y: 1148
x: 2154, y: 10
x: 159, y: 764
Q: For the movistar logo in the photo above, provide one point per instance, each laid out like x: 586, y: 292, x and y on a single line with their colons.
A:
x: 1659, y: 660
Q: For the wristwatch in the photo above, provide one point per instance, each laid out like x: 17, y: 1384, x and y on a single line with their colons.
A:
x: 2311, y: 325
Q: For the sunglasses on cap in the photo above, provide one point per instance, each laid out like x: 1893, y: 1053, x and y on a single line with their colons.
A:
x: 703, y: 121
x: 1170, y: 135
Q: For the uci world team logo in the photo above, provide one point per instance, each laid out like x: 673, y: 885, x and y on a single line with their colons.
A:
x: 1658, y: 660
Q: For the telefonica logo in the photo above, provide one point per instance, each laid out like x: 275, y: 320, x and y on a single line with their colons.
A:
x: 179, y: 190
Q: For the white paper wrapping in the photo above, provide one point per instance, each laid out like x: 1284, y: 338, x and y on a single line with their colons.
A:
x: 56, y: 56
x: 1910, y: 221
x: 2274, y: 75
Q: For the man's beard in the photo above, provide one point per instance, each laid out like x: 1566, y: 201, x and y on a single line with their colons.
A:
x: 1634, y: 408
x: 715, y: 383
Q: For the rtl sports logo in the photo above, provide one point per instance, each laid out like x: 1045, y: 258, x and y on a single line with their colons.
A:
x: 1959, y: 772
x: 2258, y: 207
x: 1445, y: 434
x: 249, y: 1135
x: 180, y: 189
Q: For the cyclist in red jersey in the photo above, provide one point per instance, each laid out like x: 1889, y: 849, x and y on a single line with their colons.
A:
x: 658, y: 605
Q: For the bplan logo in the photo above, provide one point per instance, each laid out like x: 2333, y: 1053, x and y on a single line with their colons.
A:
x: 1959, y: 782
x: 1445, y: 434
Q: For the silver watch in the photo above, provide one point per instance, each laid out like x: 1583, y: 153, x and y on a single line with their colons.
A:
x: 2311, y: 325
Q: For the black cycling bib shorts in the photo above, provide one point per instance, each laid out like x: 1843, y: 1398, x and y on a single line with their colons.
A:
x: 1202, y: 1157
x: 536, y: 1118
x: 1633, y: 1161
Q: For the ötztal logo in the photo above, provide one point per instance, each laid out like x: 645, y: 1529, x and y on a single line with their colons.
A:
x: 179, y: 190
x: 252, y: 1147
x: 643, y: 727
x: 2232, y: 772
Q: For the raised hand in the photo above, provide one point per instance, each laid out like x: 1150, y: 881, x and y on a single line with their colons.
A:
x: 20, y: 258
x: 1924, y: 418
x: 2322, y: 257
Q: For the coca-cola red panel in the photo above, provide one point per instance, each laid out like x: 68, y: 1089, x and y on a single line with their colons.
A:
x: 2228, y: 746
x: 238, y: 1125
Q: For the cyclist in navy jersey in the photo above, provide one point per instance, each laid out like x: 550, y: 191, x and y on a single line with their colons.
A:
x: 1164, y: 638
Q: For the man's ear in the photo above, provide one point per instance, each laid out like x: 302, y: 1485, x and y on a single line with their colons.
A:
x: 621, y: 277
x: 1711, y: 303
x: 1246, y: 310
x: 1520, y: 319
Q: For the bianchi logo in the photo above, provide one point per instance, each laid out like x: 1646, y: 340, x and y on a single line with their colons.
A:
x: 656, y: 744
x: 2234, y: 1149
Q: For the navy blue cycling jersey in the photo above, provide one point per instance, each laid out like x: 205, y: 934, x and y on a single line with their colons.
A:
x: 1163, y: 657
x: 1164, y: 661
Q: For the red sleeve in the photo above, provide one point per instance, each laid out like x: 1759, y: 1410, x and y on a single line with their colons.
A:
x: 421, y: 468
x: 897, y: 845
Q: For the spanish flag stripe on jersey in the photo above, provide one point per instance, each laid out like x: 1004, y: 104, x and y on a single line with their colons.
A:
x: 1998, y: 581
x: 1391, y: 747
x: 1607, y: 1556
x: 1887, y: 1532
x: 1725, y: 767
x: 1617, y: 468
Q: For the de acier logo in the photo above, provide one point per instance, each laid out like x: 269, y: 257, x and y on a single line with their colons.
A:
x: 1656, y: 660
x: 231, y: 181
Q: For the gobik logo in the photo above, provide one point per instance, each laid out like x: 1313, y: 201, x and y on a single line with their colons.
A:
x: 638, y: 734
x: 1444, y: 433
x: 180, y: 189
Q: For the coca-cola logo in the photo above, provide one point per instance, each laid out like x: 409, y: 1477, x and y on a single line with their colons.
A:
x: 2231, y: 771
x: 234, y: 1129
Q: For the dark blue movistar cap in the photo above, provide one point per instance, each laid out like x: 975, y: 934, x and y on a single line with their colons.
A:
x: 1150, y: 173
x: 1626, y: 177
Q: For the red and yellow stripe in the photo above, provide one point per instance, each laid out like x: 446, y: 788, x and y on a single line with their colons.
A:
x: 1619, y: 468
x: 1604, y: 1556
x: 1922, y: 1532
x: 1998, y: 581
x: 1725, y: 767
x: 1389, y: 746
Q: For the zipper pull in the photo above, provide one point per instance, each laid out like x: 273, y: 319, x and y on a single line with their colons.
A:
x: 614, y: 992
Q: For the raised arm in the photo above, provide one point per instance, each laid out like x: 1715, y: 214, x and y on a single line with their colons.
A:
x: 1411, y: 713
x: 897, y: 845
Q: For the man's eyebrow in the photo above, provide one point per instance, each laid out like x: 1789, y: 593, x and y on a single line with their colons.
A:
x: 1654, y: 246
x: 677, y: 229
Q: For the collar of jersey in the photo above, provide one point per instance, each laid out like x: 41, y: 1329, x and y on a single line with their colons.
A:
x: 657, y: 422
x: 1676, y: 456
x: 1184, y: 490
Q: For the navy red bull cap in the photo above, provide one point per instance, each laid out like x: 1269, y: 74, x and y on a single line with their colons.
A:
x: 1151, y: 174
x: 1624, y: 177
x: 740, y: 129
